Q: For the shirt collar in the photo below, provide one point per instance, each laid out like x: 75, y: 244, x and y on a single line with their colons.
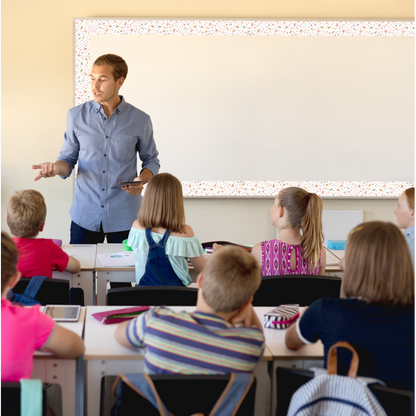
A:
x: 410, y: 230
x: 118, y: 109
x: 213, y: 317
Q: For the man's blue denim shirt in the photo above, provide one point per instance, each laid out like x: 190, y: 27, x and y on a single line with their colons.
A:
x: 106, y: 151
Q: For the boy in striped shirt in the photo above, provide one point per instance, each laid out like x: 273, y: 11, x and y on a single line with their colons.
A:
x: 223, y: 335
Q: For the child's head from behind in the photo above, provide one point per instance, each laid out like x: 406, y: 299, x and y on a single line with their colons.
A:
x: 304, y: 212
x: 231, y: 276
x: 8, y: 260
x: 26, y: 213
x: 163, y: 204
x: 405, y: 211
x: 378, y: 266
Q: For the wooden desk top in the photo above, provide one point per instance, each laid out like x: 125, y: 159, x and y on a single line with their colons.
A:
x: 84, y: 253
x: 275, y: 341
x: 101, y: 345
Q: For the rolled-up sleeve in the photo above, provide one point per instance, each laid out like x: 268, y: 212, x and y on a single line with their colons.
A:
x: 146, y: 147
x: 70, y: 148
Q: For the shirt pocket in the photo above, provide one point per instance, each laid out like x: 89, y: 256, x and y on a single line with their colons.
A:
x: 123, y: 148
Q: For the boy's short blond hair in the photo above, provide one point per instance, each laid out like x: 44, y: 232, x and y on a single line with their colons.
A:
x: 231, y: 276
x: 26, y: 213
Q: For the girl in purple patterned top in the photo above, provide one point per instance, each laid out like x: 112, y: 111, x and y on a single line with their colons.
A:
x: 297, y: 214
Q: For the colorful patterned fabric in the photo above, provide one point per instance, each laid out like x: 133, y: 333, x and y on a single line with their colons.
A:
x: 276, y: 258
x: 194, y: 343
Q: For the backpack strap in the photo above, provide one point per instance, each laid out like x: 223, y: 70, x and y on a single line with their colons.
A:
x: 332, y: 359
x: 233, y: 395
x: 142, y: 384
x: 31, y: 397
x: 34, y: 285
x: 227, y: 404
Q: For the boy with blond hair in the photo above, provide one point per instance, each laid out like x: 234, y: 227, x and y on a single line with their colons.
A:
x: 223, y: 335
x: 26, y: 213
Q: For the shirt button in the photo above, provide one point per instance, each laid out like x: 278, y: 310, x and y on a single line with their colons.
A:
x: 105, y: 155
x: 106, y: 137
x: 103, y: 189
x: 103, y: 171
x: 102, y: 206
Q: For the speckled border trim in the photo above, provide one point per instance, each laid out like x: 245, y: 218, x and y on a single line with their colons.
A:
x: 84, y: 28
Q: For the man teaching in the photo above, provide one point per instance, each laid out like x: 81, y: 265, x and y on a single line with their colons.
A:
x: 104, y: 136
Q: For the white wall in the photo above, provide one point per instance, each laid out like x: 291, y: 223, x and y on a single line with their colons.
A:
x: 247, y: 220
x: 37, y: 91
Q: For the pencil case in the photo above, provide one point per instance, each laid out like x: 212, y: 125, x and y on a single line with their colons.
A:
x: 281, y: 317
x: 119, y: 315
x: 337, y: 244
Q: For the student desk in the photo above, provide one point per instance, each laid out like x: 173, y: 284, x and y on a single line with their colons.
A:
x: 68, y: 373
x: 104, y: 356
x: 304, y: 358
x: 105, y: 275
x: 85, y: 279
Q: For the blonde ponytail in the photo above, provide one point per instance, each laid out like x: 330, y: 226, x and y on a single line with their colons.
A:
x: 305, y: 213
x: 312, y: 234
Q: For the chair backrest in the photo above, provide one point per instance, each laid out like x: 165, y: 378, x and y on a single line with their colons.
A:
x: 153, y: 296
x: 52, y: 292
x: 10, y: 399
x: 301, y: 289
x: 183, y: 395
x: 288, y: 380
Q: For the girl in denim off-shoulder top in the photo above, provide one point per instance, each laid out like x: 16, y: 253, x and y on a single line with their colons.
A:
x: 160, y: 239
x: 297, y: 214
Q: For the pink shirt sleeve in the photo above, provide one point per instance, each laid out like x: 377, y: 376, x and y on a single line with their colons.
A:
x: 45, y: 328
x: 59, y: 258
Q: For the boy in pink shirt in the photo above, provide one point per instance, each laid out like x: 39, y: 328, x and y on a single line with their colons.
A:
x: 26, y: 213
x: 26, y: 329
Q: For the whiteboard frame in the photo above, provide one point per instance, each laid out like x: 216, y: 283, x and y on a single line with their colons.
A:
x: 84, y: 28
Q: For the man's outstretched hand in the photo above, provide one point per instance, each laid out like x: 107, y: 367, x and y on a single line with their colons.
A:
x: 47, y: 170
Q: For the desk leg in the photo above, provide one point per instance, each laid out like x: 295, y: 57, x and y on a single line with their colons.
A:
x: 262, y: 403
x: 102, y: 279
x: 62, y: 372
x: 85, y: 280
x: 97, y: 369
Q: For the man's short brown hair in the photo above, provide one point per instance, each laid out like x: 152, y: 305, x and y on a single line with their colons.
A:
x: 26, y: 213
x: 8, y: 259
x: 118, y: 65
x: 378, y: 266
x: 231, y: 276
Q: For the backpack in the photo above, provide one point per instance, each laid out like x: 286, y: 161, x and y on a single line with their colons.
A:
x: 27, y: 298
x: 329, y: 394
x: 227, y: 404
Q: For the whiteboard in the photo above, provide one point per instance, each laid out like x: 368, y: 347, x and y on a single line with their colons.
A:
x: 274, y: 108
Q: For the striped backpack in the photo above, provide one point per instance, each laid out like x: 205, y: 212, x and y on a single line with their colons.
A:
x: 329, y: 394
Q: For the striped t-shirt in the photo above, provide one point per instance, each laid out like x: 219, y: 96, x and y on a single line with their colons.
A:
x: 194, y: 343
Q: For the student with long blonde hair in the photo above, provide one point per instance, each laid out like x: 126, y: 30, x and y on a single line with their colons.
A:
x: 297, y: 214
x: 405, y: 216
x: 160, y: 239
x: 377, y: 318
